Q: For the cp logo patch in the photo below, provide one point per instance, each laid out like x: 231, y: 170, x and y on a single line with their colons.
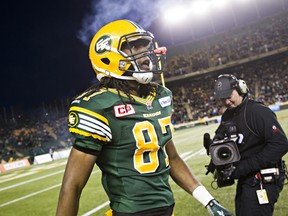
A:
x: 122, y: 110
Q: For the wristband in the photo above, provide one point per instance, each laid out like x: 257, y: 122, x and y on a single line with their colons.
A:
x: 202, y: 195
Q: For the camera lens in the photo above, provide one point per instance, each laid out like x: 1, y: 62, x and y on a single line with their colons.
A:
x: 224, y: 153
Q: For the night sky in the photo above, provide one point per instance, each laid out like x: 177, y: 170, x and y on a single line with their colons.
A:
x: 41, y: 57
x: 44, y: 57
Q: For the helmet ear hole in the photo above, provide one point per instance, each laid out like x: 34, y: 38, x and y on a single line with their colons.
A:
x: 131, y: 67
x: 105, y: 61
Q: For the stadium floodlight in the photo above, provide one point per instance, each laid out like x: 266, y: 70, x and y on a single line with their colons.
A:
x: 200, y: 7
x: 175, y: 15
x: 220, y: 3
x: 243, y: 1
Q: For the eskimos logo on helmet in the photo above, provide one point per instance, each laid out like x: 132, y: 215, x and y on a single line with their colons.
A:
x: 103, y: 44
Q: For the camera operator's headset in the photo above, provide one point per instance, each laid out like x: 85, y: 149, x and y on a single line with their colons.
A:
x: 239, y: 85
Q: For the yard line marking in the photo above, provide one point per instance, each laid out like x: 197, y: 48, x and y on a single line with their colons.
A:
x: 31, y: 180
x: 29, y: 195
x: 36, y: 193
x: 186, y: 153
x: 194, y: 154
x: 16, y: 176
x: 96, y: 209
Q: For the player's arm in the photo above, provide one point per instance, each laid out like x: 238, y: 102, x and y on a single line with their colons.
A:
x: 179, y: 171
x: 78, y: 170
x: 183, y: 176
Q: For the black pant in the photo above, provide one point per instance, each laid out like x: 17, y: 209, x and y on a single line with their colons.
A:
x: 163, y: 211
x: 246, y: 201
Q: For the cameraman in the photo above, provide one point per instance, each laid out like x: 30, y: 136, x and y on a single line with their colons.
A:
x: 261, y: 143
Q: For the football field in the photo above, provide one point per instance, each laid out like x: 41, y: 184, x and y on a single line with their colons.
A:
x: 34, y: 190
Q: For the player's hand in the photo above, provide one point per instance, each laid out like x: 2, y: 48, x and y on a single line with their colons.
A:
x: 215, y: 209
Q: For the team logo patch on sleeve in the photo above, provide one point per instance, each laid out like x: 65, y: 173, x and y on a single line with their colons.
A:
x: 124, y: 110
x: 73, y: 119
x: 165, y: 101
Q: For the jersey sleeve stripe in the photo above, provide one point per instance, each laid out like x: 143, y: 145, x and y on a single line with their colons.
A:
x: 89, y: 112
x: 86, y: 125
x: 87, y: 134
x: 95, y: 123
x: 92, y: 130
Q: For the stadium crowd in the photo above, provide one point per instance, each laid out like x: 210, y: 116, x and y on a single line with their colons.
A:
x: 28, y: 138
x: 260, y: 61
x: 242, y: 43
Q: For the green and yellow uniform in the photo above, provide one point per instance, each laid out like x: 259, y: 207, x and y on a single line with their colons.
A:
x: 129, y: 142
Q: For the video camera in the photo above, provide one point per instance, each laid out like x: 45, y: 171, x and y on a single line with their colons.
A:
x: 224, y: 153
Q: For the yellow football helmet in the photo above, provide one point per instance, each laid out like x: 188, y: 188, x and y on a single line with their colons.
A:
x: 108, y: 59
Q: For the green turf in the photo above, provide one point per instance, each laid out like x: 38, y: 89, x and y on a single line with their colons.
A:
x: 39, y: 195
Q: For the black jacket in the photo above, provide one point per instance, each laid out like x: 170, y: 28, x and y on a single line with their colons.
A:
x: 260, y: 138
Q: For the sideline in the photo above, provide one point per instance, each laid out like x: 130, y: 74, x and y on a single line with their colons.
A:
x: 30, y: 171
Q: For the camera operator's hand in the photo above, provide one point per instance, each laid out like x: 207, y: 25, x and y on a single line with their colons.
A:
x: 210, y: 168
x: 215, y: 209
x: 226, y: 174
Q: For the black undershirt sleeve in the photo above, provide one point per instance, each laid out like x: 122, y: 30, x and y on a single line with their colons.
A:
x: 86, y: 150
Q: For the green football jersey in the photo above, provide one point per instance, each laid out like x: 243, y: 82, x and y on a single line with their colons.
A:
x: 129, y: 141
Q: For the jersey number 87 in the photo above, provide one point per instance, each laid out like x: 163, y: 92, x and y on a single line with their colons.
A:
x: 149, y: 146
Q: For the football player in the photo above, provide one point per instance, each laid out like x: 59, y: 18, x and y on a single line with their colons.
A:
x: 123, y: 124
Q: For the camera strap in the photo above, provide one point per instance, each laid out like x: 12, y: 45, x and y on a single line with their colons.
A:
x: 245, y: 118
